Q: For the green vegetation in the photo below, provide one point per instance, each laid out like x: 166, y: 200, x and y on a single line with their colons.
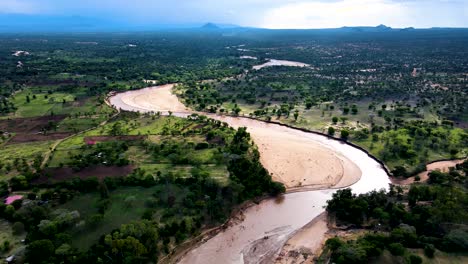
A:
x: 84, y: 218
x: 430, y: 217
x: 130, y: 187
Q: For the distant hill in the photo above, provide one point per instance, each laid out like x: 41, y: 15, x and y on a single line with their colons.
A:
x: 379, y: 28
x: 210, y: 26
x: 13, y: 23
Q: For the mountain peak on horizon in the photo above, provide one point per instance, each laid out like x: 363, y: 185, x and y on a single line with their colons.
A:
x: 382, y: 26
x: 210, y: 25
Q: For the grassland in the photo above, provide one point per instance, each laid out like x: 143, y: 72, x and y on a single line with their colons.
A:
x: 7, y: 237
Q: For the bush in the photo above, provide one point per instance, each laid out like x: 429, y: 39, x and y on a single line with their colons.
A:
x: 344, y: 134
x: 39, y: 251
x: 429, y: 250
x: 202, y: 145
x: 334, y: 243
x: 18, y: 228
x: 331, y: 131
x: 456, y: 240
x: 95, y: 219
x: 414, y: 259
x: 350, y: 254
x: 396, y: 249
x: 400, y: 171
x: 277, y: 188
x: 6, y: 246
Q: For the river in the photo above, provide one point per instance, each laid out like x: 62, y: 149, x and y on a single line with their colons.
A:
x: 313, y: 165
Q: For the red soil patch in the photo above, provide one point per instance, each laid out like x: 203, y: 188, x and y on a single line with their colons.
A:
x: 23, y: 138
x: 28, y: 125
x: 53, y: 175
x: 94, y: 139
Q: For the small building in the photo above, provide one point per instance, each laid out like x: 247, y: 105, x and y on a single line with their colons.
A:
x: 10, y: 199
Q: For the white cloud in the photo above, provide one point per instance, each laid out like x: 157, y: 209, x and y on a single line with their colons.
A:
x: 336, y: 14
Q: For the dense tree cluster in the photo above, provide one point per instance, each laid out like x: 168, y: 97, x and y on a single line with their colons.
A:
x: 427, y: 216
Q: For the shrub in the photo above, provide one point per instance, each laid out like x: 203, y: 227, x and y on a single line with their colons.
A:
x: 456, y: 240
x: 40, y: 250
x: 344, y: 134
x: 414, y: 259
x: 396, y: 249
x: 334, y: 243
x: 202, y: 145
x: 429, y: 250
x: 350, y: 254
x: 18, y: 228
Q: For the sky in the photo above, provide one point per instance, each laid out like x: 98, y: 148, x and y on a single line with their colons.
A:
x: 255, y: 13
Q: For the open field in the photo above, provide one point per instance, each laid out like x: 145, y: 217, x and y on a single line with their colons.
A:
x: 27, y: 151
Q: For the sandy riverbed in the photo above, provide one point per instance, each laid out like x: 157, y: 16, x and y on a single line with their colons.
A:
x: 291, y: 158
x: 273, y: 62
x: 149, y: 99
x: 442, y: 166
x: 306, y: 244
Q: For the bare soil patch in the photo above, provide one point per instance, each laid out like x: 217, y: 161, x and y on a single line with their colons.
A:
x: 53, y: 175
x: 24, y: 138
x: 95, y: 139
x: 28, y: 125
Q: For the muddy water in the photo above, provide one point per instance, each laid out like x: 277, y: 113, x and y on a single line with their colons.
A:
x: 245, y: 242
x: 267, y: 226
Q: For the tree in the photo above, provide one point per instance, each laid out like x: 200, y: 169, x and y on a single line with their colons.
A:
x: 331, y: 131
x: 335, y: 120
x: 396, y: 249
x: 63, y: 250
x: 18, y: 228
x: 344, y: 134
x: 414, y: 259
x: 429, y: 250
x: 39, y: 251
x: 296, y: 115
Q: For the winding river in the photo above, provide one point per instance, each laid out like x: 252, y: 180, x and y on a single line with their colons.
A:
x: 311, y: 166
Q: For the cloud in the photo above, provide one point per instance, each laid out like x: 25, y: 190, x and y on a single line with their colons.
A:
x: 395, y: 13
